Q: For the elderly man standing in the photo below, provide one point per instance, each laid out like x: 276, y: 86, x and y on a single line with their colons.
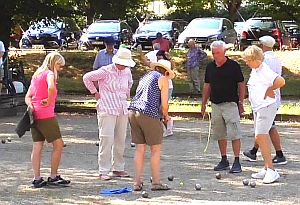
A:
x: 273, y: 62
x: 104, y: 57
x: 194, y: 59
x: 224, y: 86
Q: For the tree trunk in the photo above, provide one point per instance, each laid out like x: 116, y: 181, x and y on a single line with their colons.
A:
x: 232, y: 8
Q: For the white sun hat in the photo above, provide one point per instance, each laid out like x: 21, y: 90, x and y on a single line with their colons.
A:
x: 123, y: 57
x: 166, y: 65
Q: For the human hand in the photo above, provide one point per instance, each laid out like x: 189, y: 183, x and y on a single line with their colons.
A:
x: 203, y: 108
x: 241, y: 109
x: 269, y: 93
x: 45, y: 102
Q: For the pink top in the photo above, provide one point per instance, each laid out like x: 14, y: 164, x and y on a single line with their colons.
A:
x: 114, y: 88
x: 39, y: 91
x: 164, y: 44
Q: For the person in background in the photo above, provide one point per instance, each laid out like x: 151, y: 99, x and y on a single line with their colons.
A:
x: 194, y: 59
x: 114, y: 82
x: 262, y: 85
x: 224, y: 86
x: 164, y: 43
x: 151, y: 55
x: 2, y: 51
x: 40, y: 98
x: 104, y: 56
x: 147, y: 108
x: 267, y: 43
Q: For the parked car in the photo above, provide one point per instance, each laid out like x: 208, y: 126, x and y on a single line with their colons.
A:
x: 294, y: 31
x: 94, y: 36
x: 146, y: 33
x: 206, y: 30
x: 50, y: 33
x: 239, y: 27
x: 261, y: 26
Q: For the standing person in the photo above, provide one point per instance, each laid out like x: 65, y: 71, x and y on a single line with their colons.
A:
x: 2, y: 51
x: 164, y: 43
x: 194, y: 59
x: 115, y: 81
x: 147, y: 108
x: 151, y: 55
x: 262, y: 85
x: 40, y: 98
x: 224, y: 86
x: 273, y: 62
x: 104, y: 56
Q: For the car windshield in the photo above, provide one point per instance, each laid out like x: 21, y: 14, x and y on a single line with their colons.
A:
x: 46, y: 24
x: 205, y: 24
x: 104, y: 27
x: 262, y: 24
x: 155, y: 26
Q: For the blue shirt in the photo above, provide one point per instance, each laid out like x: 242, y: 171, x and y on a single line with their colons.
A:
x: 147, y: 99
x: 103, y: 59
x: 194, y: 58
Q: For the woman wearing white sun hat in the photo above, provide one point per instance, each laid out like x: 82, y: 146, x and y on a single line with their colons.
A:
x: 114, y: 81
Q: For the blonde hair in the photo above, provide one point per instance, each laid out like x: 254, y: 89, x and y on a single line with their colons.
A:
x: 253, y: 53
x: 50, y: 60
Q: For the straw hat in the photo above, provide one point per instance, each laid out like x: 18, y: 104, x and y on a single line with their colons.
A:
x: 123, y: 57
x: 164, y: 64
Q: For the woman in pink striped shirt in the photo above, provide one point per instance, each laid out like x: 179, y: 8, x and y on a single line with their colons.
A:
x: 40, y: 98
x: 114, y: 81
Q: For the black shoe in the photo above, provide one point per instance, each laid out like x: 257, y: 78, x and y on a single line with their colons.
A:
x: 236, y: 167
x: 223, y: 165
x: 58, y: 181
x: 279, y: 160
x: 39, y: 183
x: 250, y: 157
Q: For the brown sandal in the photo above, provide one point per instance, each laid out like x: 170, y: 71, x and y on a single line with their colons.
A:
x: 159, y: 187
x: 138, y: 187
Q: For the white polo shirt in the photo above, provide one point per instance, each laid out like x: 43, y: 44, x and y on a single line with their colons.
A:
x: 258, y: 83
x: 275, y: 65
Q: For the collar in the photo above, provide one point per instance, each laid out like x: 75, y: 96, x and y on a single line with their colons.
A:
x: 114, y: 51
x: 223, y: 63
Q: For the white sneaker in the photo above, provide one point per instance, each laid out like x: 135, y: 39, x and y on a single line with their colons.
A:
x: 271, y: 176
x: 259, y: 175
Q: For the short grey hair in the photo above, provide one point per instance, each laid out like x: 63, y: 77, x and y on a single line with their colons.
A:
x: 156, y: 46
x: 191, y: 41
x: 218, y: 44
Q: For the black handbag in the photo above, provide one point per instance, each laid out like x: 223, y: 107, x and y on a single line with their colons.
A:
x: 25, y: 123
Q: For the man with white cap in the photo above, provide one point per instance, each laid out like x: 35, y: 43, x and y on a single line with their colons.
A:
x: 267, y: 43
x: 114, y: 81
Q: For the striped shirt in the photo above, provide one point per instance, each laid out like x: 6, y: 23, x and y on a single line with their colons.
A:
x: 114, y: 88
x: 103, y: 59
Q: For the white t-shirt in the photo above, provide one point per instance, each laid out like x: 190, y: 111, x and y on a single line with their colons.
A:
x: 258, y: 83
x: 2, y: 49
x: 151, y: 55
x: 275, y: 65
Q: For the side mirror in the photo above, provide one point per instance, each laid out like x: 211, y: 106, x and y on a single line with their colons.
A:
x: 224, y: 28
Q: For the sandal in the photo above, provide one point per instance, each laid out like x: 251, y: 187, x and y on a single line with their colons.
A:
x: 138, y: 187
x: 159, y: 187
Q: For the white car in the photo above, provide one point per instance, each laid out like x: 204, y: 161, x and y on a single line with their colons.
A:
x: 206, y: 30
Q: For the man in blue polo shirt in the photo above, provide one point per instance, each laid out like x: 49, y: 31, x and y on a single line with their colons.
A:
x: 104, y: 57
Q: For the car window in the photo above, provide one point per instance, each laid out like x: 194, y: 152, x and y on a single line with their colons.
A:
x: 155, y: 26
x: 104, y: 27
x: 263, y: 24
x: 228, y: 24
x: 205, y: 24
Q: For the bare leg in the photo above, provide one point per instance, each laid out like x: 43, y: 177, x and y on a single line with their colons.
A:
x: 155, y: 163
x: 275, y: 138
x: 264, y: 144
x: 56, y: 155
x: 139, y: 162
x: 36, y: 156
x: 222, y: 147
x: 236, y: 147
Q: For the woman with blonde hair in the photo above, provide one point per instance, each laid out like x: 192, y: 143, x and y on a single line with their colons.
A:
x: 262, y: 84
x: 40, y: 98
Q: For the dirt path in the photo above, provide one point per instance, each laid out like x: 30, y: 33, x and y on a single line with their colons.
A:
x: 182, y: 157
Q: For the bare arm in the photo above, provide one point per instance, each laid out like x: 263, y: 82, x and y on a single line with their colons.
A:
x: 205, y: 96
x: 241, y: 90
x: 163, y: 84
x: 28, y: 97
x: 51, y: 90
x: 278, y: 83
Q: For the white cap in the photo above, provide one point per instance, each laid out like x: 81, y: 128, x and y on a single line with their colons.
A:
x: 268, y: 41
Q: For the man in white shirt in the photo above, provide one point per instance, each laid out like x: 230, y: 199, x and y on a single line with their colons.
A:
x: 151, y: 55
x: 2, y: 51
x: 273, y: 62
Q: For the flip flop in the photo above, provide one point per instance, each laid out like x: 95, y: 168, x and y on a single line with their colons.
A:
x: 109, y: 192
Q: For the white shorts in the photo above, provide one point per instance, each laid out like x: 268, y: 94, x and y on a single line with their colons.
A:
x: 264, y: 118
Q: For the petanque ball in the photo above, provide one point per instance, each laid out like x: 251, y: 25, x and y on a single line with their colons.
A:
x: 132, y: 144
x: 97, y: 144
x: 181, y: 183
x: 145, y: 194
x: 252, y: 184
x: 171, y: 178
x: 246, y: 182
x: 65, y: 145
x: 3, y: 141
x: 151, y: 179
x: 9, y: 139
x: 218, y: 176
x: 198, y: 187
